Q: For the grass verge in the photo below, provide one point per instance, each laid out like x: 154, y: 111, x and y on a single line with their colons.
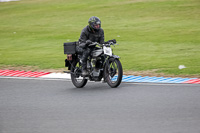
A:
x: 154, y: 35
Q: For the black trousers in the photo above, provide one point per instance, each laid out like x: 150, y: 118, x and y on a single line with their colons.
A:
x: 84, y: 52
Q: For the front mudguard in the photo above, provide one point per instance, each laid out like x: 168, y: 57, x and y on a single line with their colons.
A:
x: 105, y: 72
x: 115, y: 56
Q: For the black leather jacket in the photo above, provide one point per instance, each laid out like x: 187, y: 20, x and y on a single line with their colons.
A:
x: 88, y: 34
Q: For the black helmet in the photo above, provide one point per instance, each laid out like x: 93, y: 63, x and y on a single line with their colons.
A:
x: 94, y: 23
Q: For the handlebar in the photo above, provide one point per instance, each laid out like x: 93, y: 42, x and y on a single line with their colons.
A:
x: 105, y: 44
x: 93, y: 44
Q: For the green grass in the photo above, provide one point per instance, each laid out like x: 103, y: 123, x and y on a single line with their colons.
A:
x: 152, y: 34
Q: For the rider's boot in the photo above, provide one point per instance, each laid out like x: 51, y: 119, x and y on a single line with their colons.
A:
x: 84, y: 62
x: 84, y: 68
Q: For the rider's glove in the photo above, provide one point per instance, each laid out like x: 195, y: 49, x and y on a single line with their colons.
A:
x: 113, y: 41
x: 88, y: 42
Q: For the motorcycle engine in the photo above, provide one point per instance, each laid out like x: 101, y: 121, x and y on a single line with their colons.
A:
x: 96, y: 72
x: 97, y: 65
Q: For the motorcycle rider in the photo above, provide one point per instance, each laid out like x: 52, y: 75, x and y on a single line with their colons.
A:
x: 91, y: 33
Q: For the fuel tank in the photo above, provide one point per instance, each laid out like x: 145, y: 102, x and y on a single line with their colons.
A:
x: 97, y: 52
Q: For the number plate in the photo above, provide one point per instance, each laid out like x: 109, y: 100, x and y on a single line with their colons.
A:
x: 107, y: 51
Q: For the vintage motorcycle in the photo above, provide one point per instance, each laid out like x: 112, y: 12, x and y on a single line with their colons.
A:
x: 102, y: 65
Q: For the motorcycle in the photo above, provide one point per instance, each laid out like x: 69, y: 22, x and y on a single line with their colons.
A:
x: 102, y: 65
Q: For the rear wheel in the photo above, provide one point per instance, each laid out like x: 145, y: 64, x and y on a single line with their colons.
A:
x: 113, y: 72
x: 76, y: 78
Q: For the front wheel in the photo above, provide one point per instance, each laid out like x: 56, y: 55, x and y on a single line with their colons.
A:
x: 76, y: 78
x: 113, y: 72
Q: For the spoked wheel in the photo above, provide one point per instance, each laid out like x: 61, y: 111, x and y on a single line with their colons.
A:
x: 113, y: 72
x: 76, y: 78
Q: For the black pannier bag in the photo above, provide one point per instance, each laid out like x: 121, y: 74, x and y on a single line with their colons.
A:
x: 68, y: 64
x: 70, y: 48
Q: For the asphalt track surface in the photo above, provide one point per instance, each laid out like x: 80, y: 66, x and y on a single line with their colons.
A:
x: 56, y: 106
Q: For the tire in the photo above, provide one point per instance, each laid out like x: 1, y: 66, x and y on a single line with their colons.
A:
x: 113, y: 72
x: 76, y: 78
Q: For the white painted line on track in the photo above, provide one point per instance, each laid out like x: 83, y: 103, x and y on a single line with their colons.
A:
x: 57, y: 75
x: 69, y: 80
